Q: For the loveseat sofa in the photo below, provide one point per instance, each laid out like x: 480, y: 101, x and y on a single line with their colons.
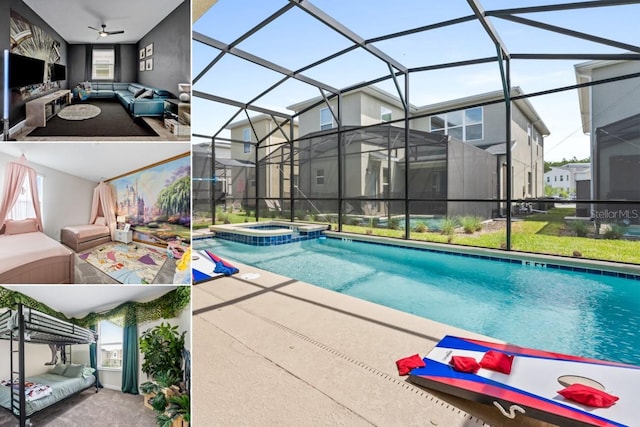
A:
x: 149, y: 102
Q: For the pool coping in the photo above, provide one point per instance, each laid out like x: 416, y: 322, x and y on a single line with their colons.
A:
x: 245, y: 230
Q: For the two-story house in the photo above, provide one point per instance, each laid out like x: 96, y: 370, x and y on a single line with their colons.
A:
x: 460, y: 154
x: 611, y: 117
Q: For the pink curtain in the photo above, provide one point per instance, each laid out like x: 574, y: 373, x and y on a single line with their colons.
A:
x: 103, y: 205
x: 14, y: 176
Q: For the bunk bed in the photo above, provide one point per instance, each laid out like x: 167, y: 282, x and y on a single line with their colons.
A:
x: 26, y: 325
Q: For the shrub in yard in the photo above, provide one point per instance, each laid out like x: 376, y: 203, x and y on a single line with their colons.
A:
x: 581, y: 228
x: 470, y: 224
x: 420, y: 227
x: 449, y: 228
x: 394, y: 224
x: 615, y: 232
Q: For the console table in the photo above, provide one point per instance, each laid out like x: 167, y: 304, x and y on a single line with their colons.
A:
x: 42, y: 109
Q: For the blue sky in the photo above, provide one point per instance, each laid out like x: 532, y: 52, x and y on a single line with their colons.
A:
x: 297, y: 39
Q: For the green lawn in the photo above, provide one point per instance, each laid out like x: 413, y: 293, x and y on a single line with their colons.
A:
x: 539, y: 233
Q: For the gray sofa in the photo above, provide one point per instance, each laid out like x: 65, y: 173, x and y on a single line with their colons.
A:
x: 150, y: 105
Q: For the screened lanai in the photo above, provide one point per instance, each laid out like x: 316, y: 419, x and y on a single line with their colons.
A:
x: 454, y: 123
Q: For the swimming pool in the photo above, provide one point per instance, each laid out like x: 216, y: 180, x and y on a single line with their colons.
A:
x: 563, y: 311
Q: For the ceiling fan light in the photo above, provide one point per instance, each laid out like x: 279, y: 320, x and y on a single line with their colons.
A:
x: 103, y: 34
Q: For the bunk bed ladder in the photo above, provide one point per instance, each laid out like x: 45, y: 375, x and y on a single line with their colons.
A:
x: 17, y: 376
x: 65, y: 354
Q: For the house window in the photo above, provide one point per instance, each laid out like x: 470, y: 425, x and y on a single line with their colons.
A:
x: 103, y: 64
x: 109, y: 345
x: 548, y: 179
x: 385, y: 114
x: 561, y: 178
x: 246, y: 137
x: 463, y: 125
x: 529, y: 183
x: 320, y: 176
x: 326, y: 119
x: 24, y: 205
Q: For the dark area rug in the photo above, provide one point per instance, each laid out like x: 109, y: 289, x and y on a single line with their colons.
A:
x: 105, y: 408
x: 113, y: 120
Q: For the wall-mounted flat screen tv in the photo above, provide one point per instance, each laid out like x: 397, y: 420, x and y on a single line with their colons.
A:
x: 24, y: 71
x: 58, y: 72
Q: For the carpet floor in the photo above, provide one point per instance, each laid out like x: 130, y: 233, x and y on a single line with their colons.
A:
x: 128, y: 264
x: 113, y: 120
x: 105, y: 408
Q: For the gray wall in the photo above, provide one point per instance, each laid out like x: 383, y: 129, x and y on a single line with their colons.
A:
x: 16, y: 107
x: 614, y: 101
x: 171, y: 40
x: 75, y: 70
x: 77, y: 60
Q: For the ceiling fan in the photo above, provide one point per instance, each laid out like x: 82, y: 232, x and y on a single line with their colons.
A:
x: 105, y: 33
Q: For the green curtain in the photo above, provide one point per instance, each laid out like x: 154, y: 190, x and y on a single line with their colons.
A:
x: 93, y: 358
x: 130, y: 359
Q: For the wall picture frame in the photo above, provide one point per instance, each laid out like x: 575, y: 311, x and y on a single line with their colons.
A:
x: 149, y: 49
x: 142, y: 66
x: 142, y: 53
x: 149, y: 66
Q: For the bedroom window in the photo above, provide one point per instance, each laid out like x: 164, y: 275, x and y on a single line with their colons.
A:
x: 246, y: 137
x: 466, y: 125
x: 24, y: 205
x: 385, y: 114
x: 109, y: 345
x: 326, y: 119
x: 103, y: 64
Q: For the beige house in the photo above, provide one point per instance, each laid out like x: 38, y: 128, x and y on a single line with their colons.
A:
x: 260, y: 139
x: 611, y: 117
x: 470, y: 163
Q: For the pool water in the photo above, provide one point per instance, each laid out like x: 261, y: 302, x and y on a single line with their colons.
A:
x: 562, y: 311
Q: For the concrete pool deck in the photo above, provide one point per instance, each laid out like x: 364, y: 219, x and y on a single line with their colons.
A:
x: 275, y: 351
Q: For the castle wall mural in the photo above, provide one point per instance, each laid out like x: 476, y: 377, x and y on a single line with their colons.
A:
x: 156, y: 201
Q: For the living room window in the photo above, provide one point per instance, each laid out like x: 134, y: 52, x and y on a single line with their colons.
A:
x: 24, y: 205
x: 463, y: 125
x: 103, y: 64
x: 109, y: 345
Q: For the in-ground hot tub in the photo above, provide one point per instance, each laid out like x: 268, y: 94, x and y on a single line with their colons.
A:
x: 268, y: 233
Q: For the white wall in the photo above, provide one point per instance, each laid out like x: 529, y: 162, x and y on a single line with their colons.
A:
x: 66, y: 198
x: 36, y: 355
x: 183, y: 322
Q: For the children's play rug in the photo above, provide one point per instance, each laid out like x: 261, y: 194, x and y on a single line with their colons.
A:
x: 128, y: 264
